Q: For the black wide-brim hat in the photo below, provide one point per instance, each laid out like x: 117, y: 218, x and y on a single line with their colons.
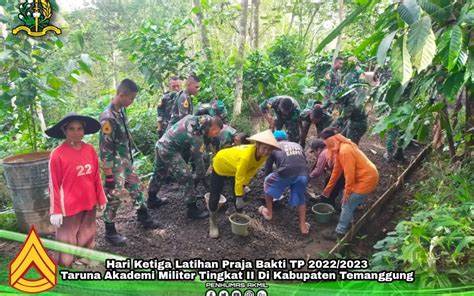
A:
x: 92, y: 126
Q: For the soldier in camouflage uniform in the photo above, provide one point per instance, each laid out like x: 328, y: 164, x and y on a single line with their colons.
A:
x: 164, y: 106
x: 215, y: 107
x: 356, y: 75
x: 287, y: 111
x: 183, y: 104
x: 332, y: 81
x: 393, y: 139
x: 186, y: 135
x: 227, y: 138
x: 313, y: 113
x: 117, y: 162
x: 353, y: 119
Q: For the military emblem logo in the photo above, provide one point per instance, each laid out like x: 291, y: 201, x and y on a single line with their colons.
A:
x: 36, y: 17
x: 186, y: 104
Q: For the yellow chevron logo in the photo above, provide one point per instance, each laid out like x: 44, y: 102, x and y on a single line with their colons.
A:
x: 33, y: 255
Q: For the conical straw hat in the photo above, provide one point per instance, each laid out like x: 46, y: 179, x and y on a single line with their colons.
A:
x: 265, y: 137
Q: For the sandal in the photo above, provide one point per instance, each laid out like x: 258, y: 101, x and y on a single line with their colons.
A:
x: 261, y: 210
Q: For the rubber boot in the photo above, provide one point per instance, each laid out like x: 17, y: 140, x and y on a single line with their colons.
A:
x: 213, y: 227
x: 399, y: 155
x: 112, y: 236
x: 195, y: 213
x: 145, y: 220
x: 332, y: 235
x: 154, y: 202
x: 388, y: 157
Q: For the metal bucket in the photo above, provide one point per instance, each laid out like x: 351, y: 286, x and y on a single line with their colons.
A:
x: 27, y: 177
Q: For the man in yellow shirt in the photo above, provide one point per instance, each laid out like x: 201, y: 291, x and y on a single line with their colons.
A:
x: 239, y: 164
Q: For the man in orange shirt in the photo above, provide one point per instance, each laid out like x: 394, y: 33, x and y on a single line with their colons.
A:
x: 360, y: 174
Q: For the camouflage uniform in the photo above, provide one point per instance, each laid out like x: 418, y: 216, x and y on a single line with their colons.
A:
x: 225, y: 139
x: 182, y: 106
x: 332, y: 83
x: 164, y: 111
x: 355, y: 76
x: 215, y: 107
x: 184, y: 138
x: 116, y: 153
x: 392, y: 141
x: 305, y: 118
x: 353, y: 119
x: 291, y: 123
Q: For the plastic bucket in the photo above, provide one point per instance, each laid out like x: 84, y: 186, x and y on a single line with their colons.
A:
x: 27, y: 177
x: 222, y: 200
x: 239, y: 224
x: 323, y: 212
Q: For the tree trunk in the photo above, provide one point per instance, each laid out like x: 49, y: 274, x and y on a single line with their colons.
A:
x: 256, y: 17
x: 240, y: 59
x: 316, y: 9
x: 204, y: 39
x: 447, y: 127
x: 249, y: 37
x: 39, y: 113
x: 114, y: 69
x: 458, y: 107
x: 339, y: 38
x: 292, y: 18
x: 469, y: 131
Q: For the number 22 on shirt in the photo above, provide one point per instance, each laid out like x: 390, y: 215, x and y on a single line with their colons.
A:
x: 84, y: 170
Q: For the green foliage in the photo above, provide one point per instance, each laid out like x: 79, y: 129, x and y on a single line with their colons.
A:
x: 143, y: 129
x: 29, y: 82
x: 400, y: 62
x: 409, y: 11
x: 243, y: 124
x: 436, y: 49
x: 156, y: 50
x: 8, y: 221
x: 217, y: 81
x: 260, y: 76
x: 455, y: 46
x: 286, y: 51
x: 438, y: 240
x: 384, y: 47
x: 421, y: 43
x: 348, y: 20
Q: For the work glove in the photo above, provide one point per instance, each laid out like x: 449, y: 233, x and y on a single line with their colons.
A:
x: 56, y: 219
x: 239, y: 203
x: 247, y: 189
x: 109, y: 182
